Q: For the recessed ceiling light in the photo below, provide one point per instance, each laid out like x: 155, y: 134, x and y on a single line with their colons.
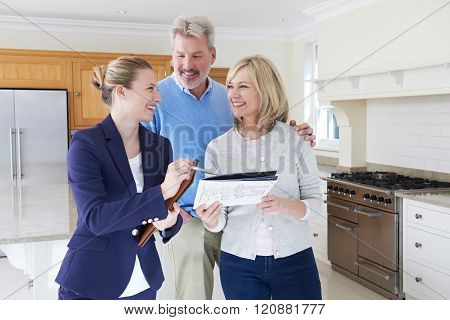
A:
x: 281, y: 20
x: 122, y: 11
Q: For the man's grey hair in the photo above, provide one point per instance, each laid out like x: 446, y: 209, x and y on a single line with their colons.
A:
x: 193, y: 26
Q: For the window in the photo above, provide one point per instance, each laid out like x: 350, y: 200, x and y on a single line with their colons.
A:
x: 320, y: 117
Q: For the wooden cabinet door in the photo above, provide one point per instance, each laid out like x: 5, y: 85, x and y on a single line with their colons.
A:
x: 219, y: 74
x: 88, y: 108
x: 28, y: 71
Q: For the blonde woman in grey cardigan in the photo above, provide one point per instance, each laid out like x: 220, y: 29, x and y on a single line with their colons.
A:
x: 266, y: 250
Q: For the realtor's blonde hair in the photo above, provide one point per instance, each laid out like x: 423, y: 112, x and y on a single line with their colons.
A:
x: 267, y: 81
x: 121, y: 71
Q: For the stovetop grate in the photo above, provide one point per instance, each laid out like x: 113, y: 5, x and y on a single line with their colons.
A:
x: 389, y: 180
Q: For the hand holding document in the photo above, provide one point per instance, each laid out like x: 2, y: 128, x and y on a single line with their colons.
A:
x: 235, y: 189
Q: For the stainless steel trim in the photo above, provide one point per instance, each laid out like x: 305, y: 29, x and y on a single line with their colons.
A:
x: 368, y: 214
x: 12, y: 132
x: 386, y: 277
x: 19, y: 155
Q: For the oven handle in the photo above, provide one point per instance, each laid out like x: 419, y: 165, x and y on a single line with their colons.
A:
x: 336, y: 205
x: 349, y: 229
x: 385, y: 276
x: 368, y: 214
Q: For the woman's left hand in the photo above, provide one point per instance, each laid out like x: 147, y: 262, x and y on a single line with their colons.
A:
x: 272, y: 204
x: 171, y: 219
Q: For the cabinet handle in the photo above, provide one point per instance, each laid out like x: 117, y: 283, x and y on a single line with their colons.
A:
x: 418, y: 279
x: 77, y: 94
x: 418, y: 216
x: 315, y: 235
x: 418, y: 245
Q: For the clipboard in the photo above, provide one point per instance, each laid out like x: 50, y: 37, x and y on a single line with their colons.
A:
x: 149, y: 229
x: 235, y: 189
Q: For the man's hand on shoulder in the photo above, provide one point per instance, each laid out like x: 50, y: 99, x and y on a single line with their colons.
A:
x: 304, y: 130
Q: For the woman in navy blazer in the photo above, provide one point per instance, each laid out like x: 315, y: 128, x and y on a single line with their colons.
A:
x: 113, y: 201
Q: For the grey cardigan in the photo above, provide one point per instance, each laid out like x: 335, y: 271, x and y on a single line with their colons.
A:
x: 282, y: 150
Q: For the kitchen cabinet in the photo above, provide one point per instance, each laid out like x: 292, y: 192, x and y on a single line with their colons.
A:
x: 426, y: 239
x: 219, y: 74
x: 318, y: 228
x: 26, y: 69
x: 87, y: 107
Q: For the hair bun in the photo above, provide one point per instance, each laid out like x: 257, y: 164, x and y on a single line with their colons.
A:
x: 98, y: 76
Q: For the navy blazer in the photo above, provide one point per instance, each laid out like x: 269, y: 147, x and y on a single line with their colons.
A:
x: 102, y: 250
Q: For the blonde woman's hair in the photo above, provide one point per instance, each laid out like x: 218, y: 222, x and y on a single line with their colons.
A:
x: 267, y: 81
x: 198, y: 27
x: 121, y: 71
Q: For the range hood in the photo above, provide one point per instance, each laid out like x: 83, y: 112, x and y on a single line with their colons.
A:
x: 348, y: 95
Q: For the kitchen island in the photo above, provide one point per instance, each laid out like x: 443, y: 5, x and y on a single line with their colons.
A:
x: 36, y: 224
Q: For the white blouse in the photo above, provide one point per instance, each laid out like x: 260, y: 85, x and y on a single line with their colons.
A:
x: 137, y: 283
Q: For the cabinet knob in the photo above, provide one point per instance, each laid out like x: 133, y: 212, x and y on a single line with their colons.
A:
x: 315, y: 235
x: 418, y: 279
x: 77, y: 94
x: 418, y: 216
x: 418, y: 245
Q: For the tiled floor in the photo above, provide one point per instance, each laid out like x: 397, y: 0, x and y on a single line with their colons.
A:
x: 338, y: 287
x: 334, y: 285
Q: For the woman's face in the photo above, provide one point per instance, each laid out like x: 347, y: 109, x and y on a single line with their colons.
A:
x: 244, y: 98
x: 143, y: 95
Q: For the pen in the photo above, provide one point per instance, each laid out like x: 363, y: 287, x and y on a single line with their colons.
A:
x: 203, y: 170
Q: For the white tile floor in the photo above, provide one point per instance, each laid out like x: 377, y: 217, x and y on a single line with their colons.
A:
x: 334, y: 285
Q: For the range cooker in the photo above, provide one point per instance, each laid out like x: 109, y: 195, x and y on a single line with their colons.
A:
x: 364, y: 227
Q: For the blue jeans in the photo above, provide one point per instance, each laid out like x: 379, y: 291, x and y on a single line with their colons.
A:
x: 290, y: 278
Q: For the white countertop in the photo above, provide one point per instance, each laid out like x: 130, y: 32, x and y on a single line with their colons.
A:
x: 36, y: 213
x: 438, y: 198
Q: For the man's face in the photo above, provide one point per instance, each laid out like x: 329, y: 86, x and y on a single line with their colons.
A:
x: 192, y: 60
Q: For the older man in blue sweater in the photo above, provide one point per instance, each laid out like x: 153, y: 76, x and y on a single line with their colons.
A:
x: 194, y: 110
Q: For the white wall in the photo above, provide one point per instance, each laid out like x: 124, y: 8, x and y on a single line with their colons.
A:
x: 345, y: 39
x: 410, y: 132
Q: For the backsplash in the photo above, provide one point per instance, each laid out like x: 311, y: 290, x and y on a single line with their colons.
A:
x: 410, y: 132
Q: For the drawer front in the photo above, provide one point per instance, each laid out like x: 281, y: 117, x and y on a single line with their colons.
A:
x: 378, y: 275
x: 428, y: 247
x: 429, y: 218
x: 318, y: 237
x: 424, y: 283
x: 342, y: 209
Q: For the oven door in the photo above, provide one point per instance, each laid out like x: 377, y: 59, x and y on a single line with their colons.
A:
x: 342, y: 243
x: 378, y: 236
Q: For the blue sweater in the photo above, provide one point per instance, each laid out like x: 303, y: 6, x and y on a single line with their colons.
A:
x: 190, y: 124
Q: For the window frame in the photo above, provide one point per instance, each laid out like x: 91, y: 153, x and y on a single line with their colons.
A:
x: 312, y: 106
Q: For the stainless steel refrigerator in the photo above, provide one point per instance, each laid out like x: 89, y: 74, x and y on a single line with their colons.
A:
x: 33, y: 137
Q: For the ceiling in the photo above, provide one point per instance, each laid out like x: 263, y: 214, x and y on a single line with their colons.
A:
x: 251, y: 14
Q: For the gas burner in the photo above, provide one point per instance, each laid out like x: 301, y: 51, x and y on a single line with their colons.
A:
x: 389, y: 180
